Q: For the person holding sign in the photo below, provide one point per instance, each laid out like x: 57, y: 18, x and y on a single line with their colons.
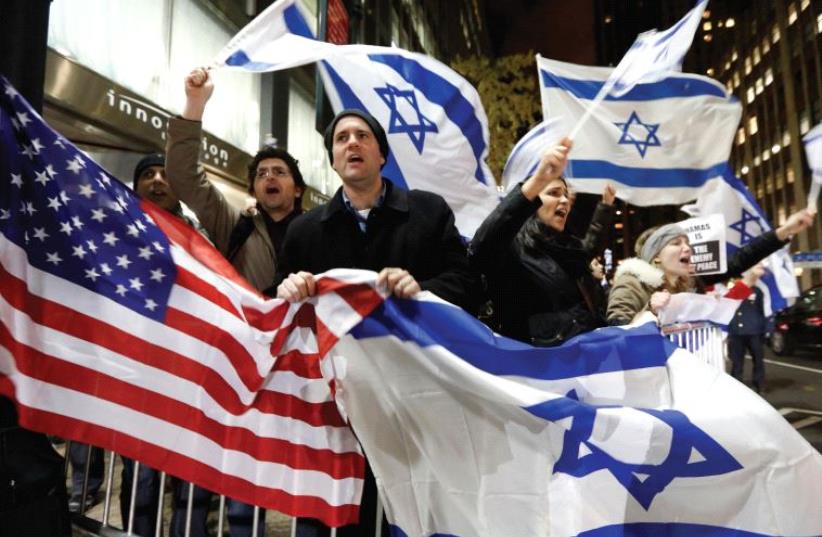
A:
x: 664, y: 266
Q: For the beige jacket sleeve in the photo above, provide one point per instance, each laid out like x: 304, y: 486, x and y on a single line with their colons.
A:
x: 188, y: 180
x: 627, y: 298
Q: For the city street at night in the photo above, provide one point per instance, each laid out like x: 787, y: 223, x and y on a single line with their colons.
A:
x: 793, y: 385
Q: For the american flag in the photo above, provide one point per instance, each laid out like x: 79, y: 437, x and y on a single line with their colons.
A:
x: 121, y: 327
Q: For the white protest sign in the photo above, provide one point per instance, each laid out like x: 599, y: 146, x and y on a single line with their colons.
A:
x: 707, y: 237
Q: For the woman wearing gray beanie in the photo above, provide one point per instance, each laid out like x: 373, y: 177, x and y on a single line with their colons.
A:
x: 664, y: 267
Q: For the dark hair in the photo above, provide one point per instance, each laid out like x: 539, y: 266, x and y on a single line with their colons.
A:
x: 275, y: 152
x: 153, y: 159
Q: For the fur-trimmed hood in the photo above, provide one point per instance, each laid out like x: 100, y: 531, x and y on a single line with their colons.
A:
x: 641, y: 269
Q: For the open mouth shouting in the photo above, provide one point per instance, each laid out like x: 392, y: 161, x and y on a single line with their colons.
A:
x: 354, y: 158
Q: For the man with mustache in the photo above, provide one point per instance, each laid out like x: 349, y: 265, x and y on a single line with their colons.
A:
x: 408, y: 237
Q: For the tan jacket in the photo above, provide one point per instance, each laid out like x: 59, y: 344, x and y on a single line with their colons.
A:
x: 634, y: 283
x: 255, y: 260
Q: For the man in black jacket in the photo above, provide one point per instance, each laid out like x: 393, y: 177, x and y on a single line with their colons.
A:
x: 747, y: 332
x: 409, y: 237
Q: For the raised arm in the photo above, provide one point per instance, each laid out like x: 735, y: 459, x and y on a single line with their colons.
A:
x: 601, y: 222
x: 185, y: 174
x: 490, y: 245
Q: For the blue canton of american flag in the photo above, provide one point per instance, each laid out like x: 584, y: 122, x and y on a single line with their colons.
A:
x: 73, y: 219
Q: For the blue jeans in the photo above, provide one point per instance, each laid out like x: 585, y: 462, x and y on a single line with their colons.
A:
x: 77, y: 457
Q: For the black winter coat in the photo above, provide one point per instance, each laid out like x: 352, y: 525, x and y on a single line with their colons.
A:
x: 413, y: 230
x: 749, y: 318
x: 534, y: 298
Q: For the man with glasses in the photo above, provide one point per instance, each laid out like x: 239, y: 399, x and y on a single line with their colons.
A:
x: 250, y: 239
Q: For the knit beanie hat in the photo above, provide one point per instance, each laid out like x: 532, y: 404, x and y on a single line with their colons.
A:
x: 658, y: 239
x: 376, y: 128
x: 154, y: 159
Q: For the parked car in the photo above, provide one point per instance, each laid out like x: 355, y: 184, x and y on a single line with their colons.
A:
x: 799, y: 326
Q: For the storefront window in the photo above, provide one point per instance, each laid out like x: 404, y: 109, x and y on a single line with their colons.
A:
x: 149, y: 46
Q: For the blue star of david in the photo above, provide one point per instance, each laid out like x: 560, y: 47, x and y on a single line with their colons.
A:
x: 651, y: 139
x: 397, y: 123
x: 742, y: 226
x: 692, y: 452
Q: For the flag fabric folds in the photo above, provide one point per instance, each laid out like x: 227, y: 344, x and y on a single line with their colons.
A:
x: 526, y: 154
x: 121, y: 327
x: 616, y: 432
x: 435, y: 122
x: 813, y: 150
x: 659, y: 142
x: 745, y: 220
x: 269, y: 37
x: 654, y: 54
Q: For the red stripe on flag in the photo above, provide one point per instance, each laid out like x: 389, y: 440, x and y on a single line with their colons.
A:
x: 242, y: 362
x: 195, y: 244
x: 81, y: 326
x: 261, y: 320
x: 56, y: 370
x: 182, y: 466
x: 303, y: 365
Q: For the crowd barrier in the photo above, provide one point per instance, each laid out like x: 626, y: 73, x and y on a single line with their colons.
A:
x: 704, y: 340
x: 101, y: 524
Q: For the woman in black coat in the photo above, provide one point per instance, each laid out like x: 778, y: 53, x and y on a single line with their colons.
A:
x: 538, y: 276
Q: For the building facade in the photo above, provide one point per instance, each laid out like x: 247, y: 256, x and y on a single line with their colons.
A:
x: 114, y: 75
x: 767, y: 54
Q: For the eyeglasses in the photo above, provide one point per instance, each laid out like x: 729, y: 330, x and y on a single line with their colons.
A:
x: 279, y: 173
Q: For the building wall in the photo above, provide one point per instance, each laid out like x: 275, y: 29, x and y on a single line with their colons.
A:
x: 767, y: 53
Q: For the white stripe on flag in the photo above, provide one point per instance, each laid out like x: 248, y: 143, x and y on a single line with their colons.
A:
x: 658, y: 143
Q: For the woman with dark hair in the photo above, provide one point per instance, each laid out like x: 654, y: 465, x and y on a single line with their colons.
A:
x: 537, y: 274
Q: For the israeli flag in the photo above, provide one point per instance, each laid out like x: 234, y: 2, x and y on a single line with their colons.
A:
x: 278, y: 38
x: 659, y: 143
x: 436, y: 125
x: 527, y: 153
x: 813, y: 150
x: 617, y: 432
x: 728, y: 196
x: 655, y: 54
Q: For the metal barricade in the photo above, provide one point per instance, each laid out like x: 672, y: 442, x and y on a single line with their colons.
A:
x: 703, y: 340
x: 96, y: 523
x: 103, y: 522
